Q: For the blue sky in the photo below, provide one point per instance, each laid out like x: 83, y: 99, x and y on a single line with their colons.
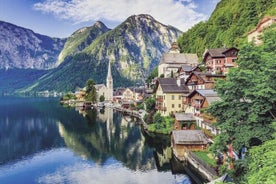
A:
x: 60, y: 18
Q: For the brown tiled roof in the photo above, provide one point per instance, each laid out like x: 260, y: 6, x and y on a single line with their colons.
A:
x: 217, y: 52
x: 187, y: 137
x: 169, y: 85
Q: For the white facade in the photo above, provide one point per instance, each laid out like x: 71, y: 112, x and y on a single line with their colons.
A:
x: 109, y: 85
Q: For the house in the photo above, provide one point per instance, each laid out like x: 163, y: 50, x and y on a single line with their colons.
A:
x: 184, y: 121
x: 184, y: 71
x: 193, y: 140
x: 255, y: 34
x: 200, y: 80
x: 169, y: 93
x: 219, y: 60
x: 199, y: 100
x: 172, y: 60
x: 128, y: 95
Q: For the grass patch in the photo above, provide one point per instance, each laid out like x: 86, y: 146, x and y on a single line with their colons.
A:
x: 206, y: 156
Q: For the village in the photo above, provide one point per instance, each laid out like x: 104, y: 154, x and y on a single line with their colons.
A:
x: 183, y: 90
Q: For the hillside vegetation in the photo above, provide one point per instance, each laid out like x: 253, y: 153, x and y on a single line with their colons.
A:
x: 228, y: 25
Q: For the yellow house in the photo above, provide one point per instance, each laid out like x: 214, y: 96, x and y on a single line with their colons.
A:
x: 169, y: 94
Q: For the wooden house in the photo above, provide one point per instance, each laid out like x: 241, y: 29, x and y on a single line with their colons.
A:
x: 184, y: 71
x: 184, y: 121
x: 219, y: 60
x: 193, y: 140
x: 199, y: 100
x: 200, y: 80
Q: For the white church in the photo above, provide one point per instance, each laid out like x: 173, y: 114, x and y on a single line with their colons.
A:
x: 106, y: 91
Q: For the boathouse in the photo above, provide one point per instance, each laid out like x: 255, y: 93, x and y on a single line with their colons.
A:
x: 193, y: 140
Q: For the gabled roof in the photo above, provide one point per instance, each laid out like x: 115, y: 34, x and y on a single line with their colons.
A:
x: 199, y: 75
x: 169, y: 85
x: 184, y: 116
x: 204, y: 93
x: 217, y: 52
x: 179, y: 58
x: 188, y: 137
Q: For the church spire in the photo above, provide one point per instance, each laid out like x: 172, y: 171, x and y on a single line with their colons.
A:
x: 109, y: 84
x: 109, y: 72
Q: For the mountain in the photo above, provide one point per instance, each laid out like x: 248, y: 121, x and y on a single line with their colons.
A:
x: 133, y: 48
x: 227, y: 26
x: 82, y: 38
x: 21, y: 48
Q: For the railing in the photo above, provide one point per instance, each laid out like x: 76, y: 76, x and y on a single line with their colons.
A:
x: 201, y: 162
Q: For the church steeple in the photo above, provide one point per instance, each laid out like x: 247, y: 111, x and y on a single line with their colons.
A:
x: 109, y: 84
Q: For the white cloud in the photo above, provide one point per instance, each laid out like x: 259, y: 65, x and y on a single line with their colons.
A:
x: 178, y: 13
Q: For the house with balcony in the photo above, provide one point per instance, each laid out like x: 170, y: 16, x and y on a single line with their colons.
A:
x: 220, y: 60
x: 169, y: 95
x: 199, y: 100
x: 172, y: 60
x: 200, y: 80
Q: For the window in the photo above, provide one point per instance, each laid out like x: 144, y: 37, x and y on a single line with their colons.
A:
x: 172, y: 105
x: 179, y: 105
x: 172, y: 97
x: 179, y: 97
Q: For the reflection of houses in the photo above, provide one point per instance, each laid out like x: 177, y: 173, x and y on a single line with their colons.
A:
x: 200, y: 99
x: 193, y: 140
x: 184, y: 121
x: 219, y: 60
x: 199, y: 80
x: 255, y: 35
x: 169, y: 94
x: 171, y: 61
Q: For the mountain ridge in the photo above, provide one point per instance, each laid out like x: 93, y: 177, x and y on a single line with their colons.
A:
x: 134, y: 48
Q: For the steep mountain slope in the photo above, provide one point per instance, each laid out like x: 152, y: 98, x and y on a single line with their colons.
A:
x: 228, y: 25
x: 133, y: 48
x: 82, y: 38
x: 22, y: 48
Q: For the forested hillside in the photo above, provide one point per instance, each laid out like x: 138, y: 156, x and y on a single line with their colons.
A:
x: 228, y: 25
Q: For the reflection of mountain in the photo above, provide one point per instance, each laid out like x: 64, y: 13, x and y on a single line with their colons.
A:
x: 98, y: 140
x: 26, y: 126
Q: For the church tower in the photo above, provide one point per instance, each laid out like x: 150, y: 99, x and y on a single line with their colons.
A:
x: 109, y: 85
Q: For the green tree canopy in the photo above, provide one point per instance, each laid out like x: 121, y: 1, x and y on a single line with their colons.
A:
x: 91, y: 94
x: 248, y: 97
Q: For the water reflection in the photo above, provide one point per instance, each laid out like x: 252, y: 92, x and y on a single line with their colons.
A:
x: 42, y: 142
x: 108, y: 135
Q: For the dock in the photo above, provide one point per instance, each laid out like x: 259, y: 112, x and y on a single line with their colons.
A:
x: 188, y: 158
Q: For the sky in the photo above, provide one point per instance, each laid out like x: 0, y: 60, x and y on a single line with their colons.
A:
x: 60, y: 18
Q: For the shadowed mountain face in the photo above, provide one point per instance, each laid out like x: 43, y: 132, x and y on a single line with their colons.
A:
x: 23, y: 49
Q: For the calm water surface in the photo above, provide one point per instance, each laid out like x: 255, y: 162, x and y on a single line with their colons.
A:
x: 42, y: 142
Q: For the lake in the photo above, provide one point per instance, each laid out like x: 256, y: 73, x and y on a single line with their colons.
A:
x: 43, y: 142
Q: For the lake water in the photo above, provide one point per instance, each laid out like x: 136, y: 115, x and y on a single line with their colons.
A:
x: 43, y: 142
